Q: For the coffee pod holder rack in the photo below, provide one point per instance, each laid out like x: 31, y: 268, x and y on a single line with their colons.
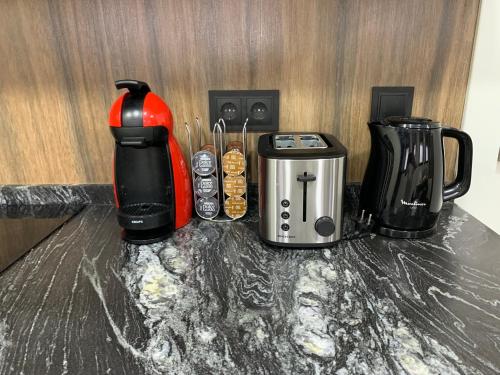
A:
x: 219, y: 142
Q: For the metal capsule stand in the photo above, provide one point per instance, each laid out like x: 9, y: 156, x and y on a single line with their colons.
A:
x: 219, y: 142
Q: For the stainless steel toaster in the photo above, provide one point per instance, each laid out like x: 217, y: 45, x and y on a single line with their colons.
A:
x: 301, y: 189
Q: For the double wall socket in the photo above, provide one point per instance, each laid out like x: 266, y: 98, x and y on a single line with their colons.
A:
x: 261, y: 107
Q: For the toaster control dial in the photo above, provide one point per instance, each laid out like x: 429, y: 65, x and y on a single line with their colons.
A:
x: 325, y: 226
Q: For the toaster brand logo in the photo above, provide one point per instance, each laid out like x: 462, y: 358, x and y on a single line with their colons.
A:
x: 137, y: 221
x: 284, y: 236
x: 405, y: 203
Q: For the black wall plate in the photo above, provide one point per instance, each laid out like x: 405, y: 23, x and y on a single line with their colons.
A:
x: 391, y: 101
x: 234, y: 106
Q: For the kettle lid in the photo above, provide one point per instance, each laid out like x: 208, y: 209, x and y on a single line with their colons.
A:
x: 410, y: 122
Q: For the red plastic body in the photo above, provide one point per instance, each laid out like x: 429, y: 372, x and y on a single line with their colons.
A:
x: 157, y: 113
x: 182, y: 185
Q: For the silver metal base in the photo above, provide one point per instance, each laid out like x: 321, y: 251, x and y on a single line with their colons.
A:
x: 295, y: 246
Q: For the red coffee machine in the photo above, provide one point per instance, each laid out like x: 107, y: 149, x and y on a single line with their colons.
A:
x: 152, y: 187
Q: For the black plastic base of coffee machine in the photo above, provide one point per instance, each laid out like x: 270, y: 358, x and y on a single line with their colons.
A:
x: 408, y: 234
x: 144, y: 237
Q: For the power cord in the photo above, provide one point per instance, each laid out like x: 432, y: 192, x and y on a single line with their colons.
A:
x: 363, y: 227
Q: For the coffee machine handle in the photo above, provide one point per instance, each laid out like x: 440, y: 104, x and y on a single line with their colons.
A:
x: 135, y: 87
x: 464, y: 171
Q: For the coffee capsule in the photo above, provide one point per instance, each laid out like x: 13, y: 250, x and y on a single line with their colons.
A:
x: 203, y: 163
x: 233, y: 163
x: 207, y: 208
x: 235, y: 207
x: 235, y: 185
x: 205, y: 186
x: 208, y: 147
x: 235, y: 145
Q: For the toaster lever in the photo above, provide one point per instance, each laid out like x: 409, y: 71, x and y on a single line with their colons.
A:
x: 306, y: 177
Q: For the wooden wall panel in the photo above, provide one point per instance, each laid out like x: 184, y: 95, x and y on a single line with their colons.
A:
x: 59, y: 59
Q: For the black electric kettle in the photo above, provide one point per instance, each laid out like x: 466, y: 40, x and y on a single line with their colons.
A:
x: 403, y: 187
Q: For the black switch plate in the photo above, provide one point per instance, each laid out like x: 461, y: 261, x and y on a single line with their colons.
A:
x: 391, y: 101
x: 234, y: 106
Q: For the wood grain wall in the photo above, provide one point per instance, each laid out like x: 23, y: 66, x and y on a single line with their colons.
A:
x: 59, y: 58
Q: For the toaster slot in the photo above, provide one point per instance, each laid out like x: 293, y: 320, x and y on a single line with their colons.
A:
x: 298, y: 141
x: 284, y: 141
x: 312, y: 141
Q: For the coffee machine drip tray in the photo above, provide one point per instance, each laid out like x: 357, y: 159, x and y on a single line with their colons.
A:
x: 146, y: 222
x: 298, y: 141
x: 145, y: 237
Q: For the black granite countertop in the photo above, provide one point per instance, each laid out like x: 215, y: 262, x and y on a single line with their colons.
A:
x: 213, y: 299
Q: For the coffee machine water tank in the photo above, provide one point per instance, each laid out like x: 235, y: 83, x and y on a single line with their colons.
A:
x: 152, y: 187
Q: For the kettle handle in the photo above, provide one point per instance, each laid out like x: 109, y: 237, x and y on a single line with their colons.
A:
x: 464, y: 171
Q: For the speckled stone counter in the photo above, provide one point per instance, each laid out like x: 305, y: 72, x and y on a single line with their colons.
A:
x: 213, y: 299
